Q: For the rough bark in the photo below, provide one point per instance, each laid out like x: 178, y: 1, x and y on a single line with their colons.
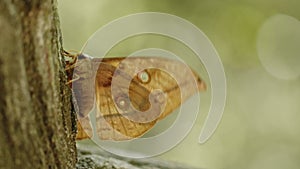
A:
x: 36, y: 123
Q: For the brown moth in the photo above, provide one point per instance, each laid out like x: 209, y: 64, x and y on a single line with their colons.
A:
x: 128, y: 99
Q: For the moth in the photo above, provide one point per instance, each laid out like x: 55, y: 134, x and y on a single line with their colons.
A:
x: 129, y: 94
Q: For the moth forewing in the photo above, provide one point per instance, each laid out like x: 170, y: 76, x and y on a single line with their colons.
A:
x: 120, y: 107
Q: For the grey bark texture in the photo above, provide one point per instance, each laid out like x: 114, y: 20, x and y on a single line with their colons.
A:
x: 91, y: 157
x: 36, y: 123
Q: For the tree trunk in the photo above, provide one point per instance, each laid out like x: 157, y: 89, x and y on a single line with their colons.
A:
x: 36, y: 123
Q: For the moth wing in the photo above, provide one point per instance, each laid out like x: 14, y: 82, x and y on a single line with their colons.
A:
x: 176, y: 91
x: 112, y: 123
x: 84, y: 128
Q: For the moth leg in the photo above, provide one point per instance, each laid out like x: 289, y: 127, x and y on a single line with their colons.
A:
x: 70, y: 66
x: 77, y: 77
x: 71, y: 59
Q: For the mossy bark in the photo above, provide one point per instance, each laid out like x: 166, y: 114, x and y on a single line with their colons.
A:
x: 36, y: 123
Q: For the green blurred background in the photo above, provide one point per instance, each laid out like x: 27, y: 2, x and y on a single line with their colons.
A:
x: 260, y: 126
